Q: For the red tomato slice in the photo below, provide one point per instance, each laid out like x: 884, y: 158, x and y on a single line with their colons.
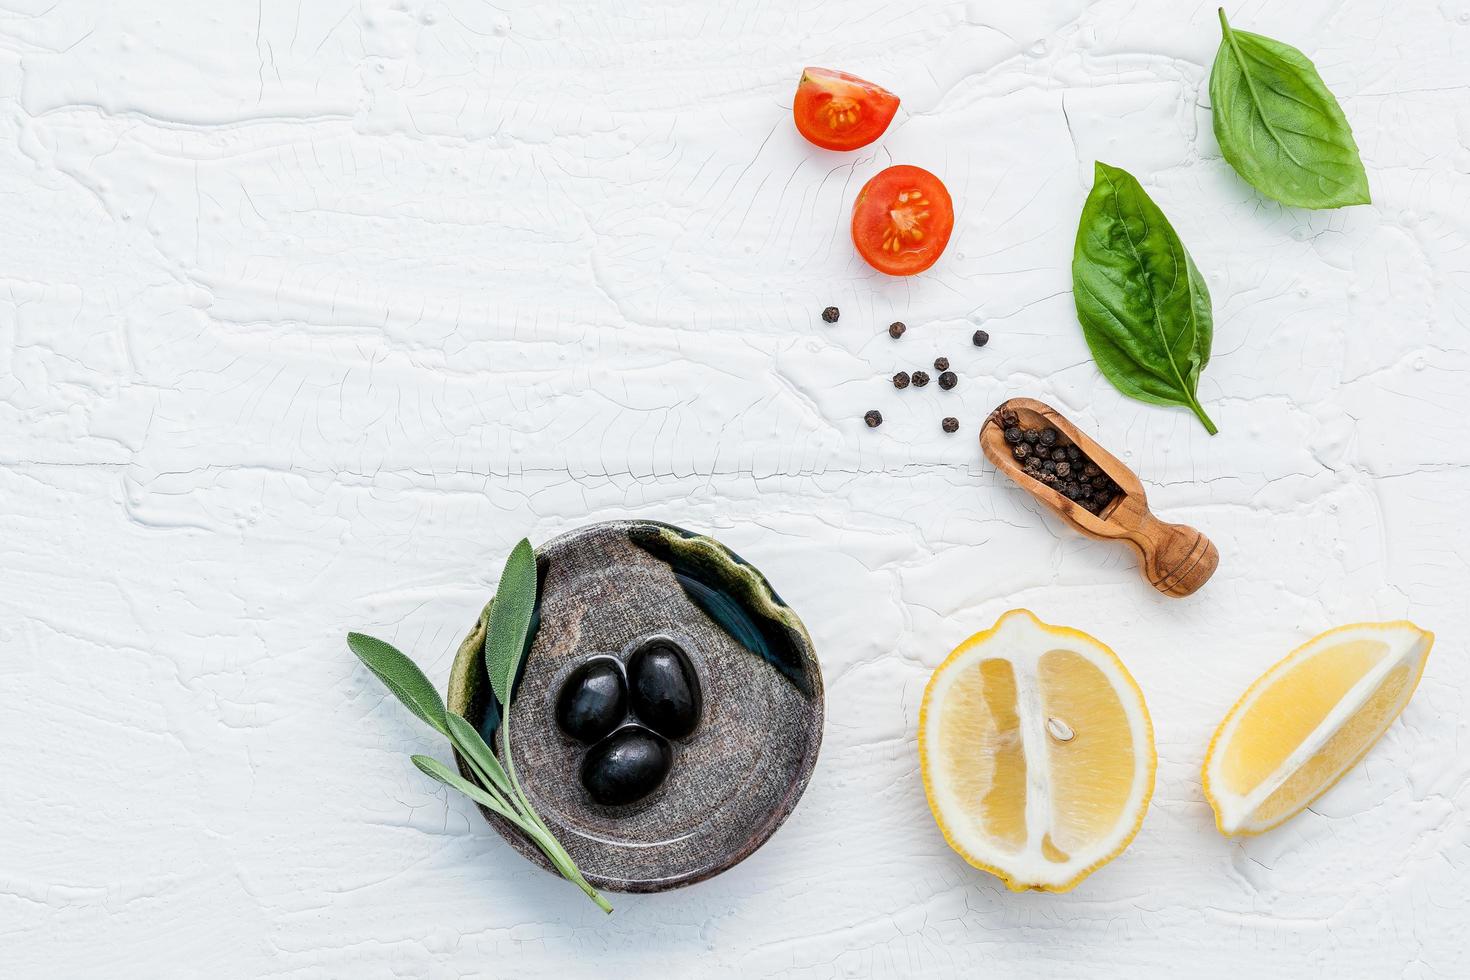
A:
x: 838, y: 111
x: 902, y: 220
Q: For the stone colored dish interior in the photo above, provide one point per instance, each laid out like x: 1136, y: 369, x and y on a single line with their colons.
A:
x: 734, y: 780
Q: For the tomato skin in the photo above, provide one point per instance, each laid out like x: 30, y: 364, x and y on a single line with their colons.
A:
x: 901, y: 220
x: 838, y: 111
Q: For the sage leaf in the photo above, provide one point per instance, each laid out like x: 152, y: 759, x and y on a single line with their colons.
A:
x: 1143, y: 305
x: 537, y: 832
x: 1280, y: 127
x: 510, y: 619
x: 401, y: 676
x: 438, y: 770
x: 473, y: 747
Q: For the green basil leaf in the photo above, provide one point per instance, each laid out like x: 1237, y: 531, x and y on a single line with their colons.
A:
x: 401, y: 676
x: 1144, y: 307
x: 510, y: 619
x: 1280, y: 127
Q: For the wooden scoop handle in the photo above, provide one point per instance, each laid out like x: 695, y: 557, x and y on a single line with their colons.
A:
x: 1175, y: 558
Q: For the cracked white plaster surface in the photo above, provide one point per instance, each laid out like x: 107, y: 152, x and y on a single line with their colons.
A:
x: 308, y: 311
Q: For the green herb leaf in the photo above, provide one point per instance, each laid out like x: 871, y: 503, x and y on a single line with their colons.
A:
x: 401, y: 676
x: 537, y: 832
x: 433, y: 767
x: 473, y: 747
x: 1280, y: 127
x: 1144, y: 307
x: 510, y: 619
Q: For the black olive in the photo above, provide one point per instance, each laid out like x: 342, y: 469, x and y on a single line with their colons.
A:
x: 663, y: 689
x: 593, y: 700
x: 626, y: 766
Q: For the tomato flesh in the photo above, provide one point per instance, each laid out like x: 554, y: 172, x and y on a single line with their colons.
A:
x: 838, y: 111
x: 902, y: 220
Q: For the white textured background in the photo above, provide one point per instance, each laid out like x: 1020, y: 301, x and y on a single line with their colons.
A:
x: 309, y: 310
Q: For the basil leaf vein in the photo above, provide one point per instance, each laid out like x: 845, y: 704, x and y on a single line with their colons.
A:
x: 1142, y: 302
x: 1280, y: 127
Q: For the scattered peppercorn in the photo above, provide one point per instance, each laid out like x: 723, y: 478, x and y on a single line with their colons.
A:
x: 901, y: 380
x: 830, y: 314
x: 896, y: 329
x: 1013, y: 435
x: 980, y: 339
x: 874, y: 419
x: 947, y: 380
x: 1009, y: 418
x: 951, y: 424
x: 941, y: 364
x: 920, y: 379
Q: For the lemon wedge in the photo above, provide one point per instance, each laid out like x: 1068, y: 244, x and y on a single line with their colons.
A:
x: 1037, y: 753
x: 1308, y: 720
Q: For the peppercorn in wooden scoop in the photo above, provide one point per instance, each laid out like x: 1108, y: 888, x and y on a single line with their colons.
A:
x: 1036, y: 446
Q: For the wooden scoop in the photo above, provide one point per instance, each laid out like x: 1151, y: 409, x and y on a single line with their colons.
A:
x: 1175, y: 559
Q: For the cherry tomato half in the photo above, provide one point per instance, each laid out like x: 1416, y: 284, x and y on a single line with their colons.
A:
x: 838, y: 111
x: 902, y: 220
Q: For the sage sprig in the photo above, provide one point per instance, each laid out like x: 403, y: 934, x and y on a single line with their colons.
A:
x: 495, y: 786
x: 1279, y: 126
x: 1143, y: 305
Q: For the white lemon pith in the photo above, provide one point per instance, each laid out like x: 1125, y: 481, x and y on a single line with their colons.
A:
x: 1308, y: 720
x: 1037, y: 753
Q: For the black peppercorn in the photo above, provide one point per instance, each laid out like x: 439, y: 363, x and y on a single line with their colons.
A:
x: 951, y: 424
x: 1073, y: 453
x: 901, y: 379
x: 874, y: 419
x: 1021, y: 450
x: 1070, y: 488
x: 1033, y: 436
x: 896, y: 329
x: 1009, y: 417
x: 1058, y: 454
x: 941, y: 364
x: 1050, y: 479
x: 1013, y: 435
x: 947, y: 380
x: 920, y: 379
x: 1048, y: 437
x: 980, y: 339
x: 1049, y: 466
x: 830, y: 314
x: 1064, y: 469
x: 1090, y: 470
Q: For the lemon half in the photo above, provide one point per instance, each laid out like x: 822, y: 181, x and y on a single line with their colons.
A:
x: 1308, y: 720
x: 1037, y: 753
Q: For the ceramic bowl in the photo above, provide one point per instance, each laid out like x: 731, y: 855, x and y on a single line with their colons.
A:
x: 606, y: 589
